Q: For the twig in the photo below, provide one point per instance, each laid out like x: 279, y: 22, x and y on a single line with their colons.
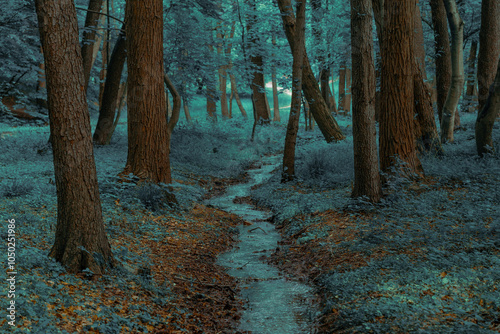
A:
x: 257, y: 228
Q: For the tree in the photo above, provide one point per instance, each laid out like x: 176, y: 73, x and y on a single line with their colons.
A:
x: 489, y: 48
x: 457, y: 71
x: 471, y: 91
x: 486, y: 117
x: 148, y: 139
x: 80, y: 241
x: 104, y: 128
x: 326, y: 123
x: 89, y: 36
x: 366, y: 170
x: 397, y: 138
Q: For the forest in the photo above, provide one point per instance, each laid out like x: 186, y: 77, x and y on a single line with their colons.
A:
x: 250, y: 166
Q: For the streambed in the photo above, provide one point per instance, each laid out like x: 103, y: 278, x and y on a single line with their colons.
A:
x: 276, y: 303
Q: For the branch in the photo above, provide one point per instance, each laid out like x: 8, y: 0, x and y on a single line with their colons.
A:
x: 93, y: 11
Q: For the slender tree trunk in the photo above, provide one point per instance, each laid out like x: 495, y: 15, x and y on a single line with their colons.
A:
x: 324, y: 77
x: 347, y: 101
x: 342, y: 73
x: 486, y: 118
x: 378, y: 13
x: 419, y: 40
x: 397, y: 137
x: 186, y: 109
x: 366, y: 171
x: 89, y: 36
x: 326, y: 123
x: 470, y: 94
x: 234, y: 89
x: 443, y: 53
x: 222, y: 75
x: 489, y: 48
x: 80, y: 240
x: 211, y: 102
x: 298, y: 51
x: 105, y: 58
x: 276, y: 104
x: 103, y: 131
x: 148, y: 146
x: 457, y: 71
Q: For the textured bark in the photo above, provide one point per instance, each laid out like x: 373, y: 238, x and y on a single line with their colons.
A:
x: 104, y: 128
x: 80, y: 240
x: 298, y: 51
x: 471, y: 92
x: 419, y: 42
x: 366, y: 170
x: 348, y: 98
x: 89, y: 36
x: 489, y: 48
x: 148, y: 147
x: 443, y: 53
x: 326, y: 123
x: 378, y: 13
x: 397, y: 137
x: 457, y: 71
x: 486, y: 118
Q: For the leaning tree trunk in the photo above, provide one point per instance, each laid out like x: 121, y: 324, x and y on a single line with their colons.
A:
x: 489, y: 48
x: 486, y: 117
x: 397, y: 138
x: 148, y: 147
x: 80, y: 241
x: 293, y: 122
x: 104, y: 127
x: 326, y: 123
x: 457, y: 71
x: 366, y: 171
x: 89, y: 35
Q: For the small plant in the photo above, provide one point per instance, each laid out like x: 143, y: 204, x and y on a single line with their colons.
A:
x: 17, y: 188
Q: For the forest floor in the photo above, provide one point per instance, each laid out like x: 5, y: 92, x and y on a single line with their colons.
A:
x: 426, y: 259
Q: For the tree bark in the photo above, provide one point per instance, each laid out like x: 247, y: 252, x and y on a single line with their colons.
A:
x: 489, y: 48
x: 276, y: 104
x: 419, y: 40
x: 104, y: 128
x: 342, y: 79
x: 471, y: 92
x: 366, y: 170
x: 222, y: 75
x: 397, y: 137
x: 80, y: 240
x: 486, y: 118
x: 298, y: 52
x: 348, y: 98
x: 326, y: 123
x: 457, y: 71
x: 148, y: 146
x: 89, y: 35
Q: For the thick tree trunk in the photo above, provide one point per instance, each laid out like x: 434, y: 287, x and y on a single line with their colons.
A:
x: 298, y: 52
x: 89, y: 36
x: 326, y: 123
x: 397, y: 137
x: 486, y: 117
x: 471, y: 92
x: 148, y: 147
x: 489, y: 48
x: 104, y: 128
x: 366, y: 170
x: 443, y: 54
x: 80, y: 240
x: 457, y: 71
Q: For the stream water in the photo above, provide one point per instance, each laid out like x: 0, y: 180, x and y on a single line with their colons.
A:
x: 276, y: 303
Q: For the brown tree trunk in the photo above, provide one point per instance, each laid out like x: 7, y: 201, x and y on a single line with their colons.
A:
x: 222, y: 75
x: 89, y: 36
x: 471, y: 92
x: 105, y: 59
x: 347, y: 101
x: 443, y: 53
x: 366, y: 171
x: 276, y: 104
x: 397, y: 138
x: 378, y: 13
x: 486, y: 118
x: 324, y: 77
x: 104, y: 128
x: 298, y: 51
x: 457, y: 71
x: 234, y: 90
x: 326, y: 123
x: 148, y: 146
x: 489, y: 48
x: 419, y: 42
x: 342, y: 74
x: 80, y: 240
x: 211, y: 102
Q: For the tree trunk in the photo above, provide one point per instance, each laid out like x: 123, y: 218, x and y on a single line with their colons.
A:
x: 443, y: 54
x: 298, y: 51
x: 276, y: 104
x: 148, y: 146
x: 419, y: 42
x: 486, y: 118
x: 378, y: 13
x: 80, y: 240
x: 347, y: 101
x: 211, y: 102
x: 103, y: 131
x: 186, y: 109
x: 324, y: 77
x: 326, y: 123
x: 489, y: 48
x: 397, y: 137
x: 471, y: 92
x: 342, y: 73
x: 234, y: 90
x: 366, y: 170
x: 89, y: 36
x: 222, y: 75
x: 457, y: 71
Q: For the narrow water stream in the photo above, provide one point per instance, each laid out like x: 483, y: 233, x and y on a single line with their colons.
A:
x: 276, y: 304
